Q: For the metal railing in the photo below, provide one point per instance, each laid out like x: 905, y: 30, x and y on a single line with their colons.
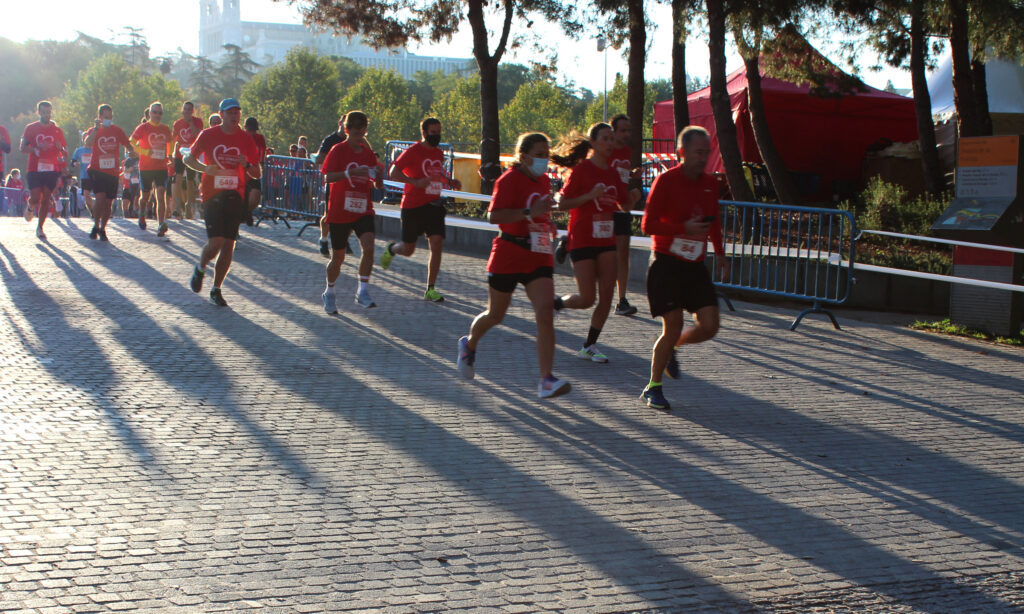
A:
x: 801, y: 253
x: 12, y: 201
x: 293, y: 188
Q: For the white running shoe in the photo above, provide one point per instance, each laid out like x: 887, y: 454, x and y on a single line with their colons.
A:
x: 464, y: 363
x: 593, y: 354
x: 364, y: 300
x: 330, y: 302
x: 550, y: 388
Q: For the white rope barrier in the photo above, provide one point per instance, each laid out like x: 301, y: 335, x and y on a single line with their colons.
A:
x: 995, y: 248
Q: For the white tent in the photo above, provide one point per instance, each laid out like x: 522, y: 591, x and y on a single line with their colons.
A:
x: 1005, y: 80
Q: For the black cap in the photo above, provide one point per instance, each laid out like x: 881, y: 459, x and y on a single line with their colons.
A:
x: 251, y: 123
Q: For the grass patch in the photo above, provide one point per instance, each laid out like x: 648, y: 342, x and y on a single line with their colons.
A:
x: 946, y: 327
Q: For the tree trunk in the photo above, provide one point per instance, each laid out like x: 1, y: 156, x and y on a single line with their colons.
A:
x: 968, y: 123
x: 635, y: 81
x: 979, y: 77
x: 933, y: 179
x: 680, y: 108
x: 785, y: 189
x: 487, y: 64
x: 724, y: 126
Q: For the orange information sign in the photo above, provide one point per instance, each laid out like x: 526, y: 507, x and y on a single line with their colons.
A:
x: 988, y: 151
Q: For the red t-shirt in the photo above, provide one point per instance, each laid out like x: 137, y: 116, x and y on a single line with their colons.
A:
x: 590, y: 224
x: 674, y: 199
x: 6, y: 138
x: 350, y: 198
x: 229, y: 152
x: 185, y: 133
x: 621, y: 161
x: 421, y: 160
x: 106, y: 149
x: 261, y: 145
x: 514, y: 190
x: 49, y: 139
x: 157, y: 140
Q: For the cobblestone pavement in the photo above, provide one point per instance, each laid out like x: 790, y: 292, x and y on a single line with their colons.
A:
x: 159, y: 454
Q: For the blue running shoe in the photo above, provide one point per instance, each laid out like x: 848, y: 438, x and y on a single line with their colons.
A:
x: 655, y: 398
x: 466, y: 358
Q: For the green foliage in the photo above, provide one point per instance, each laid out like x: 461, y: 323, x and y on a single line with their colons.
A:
x: 887, y: 206
x: 655, y: 91
x: 946, y: 327
x: 296, y: 96
x: 394, y: 112
x: 38, y: 70
x: 539, y: 106
x: 235, y: 70
x: 459, y: 112
x: 348, y: 72
x: 112, y: 81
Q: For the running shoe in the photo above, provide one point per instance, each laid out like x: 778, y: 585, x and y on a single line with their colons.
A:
x: 330, y: 302
x: 103, y: 234
x: 624, y: 308
x: 364, y: 300
x: 591, y: 353
x: 433, y: 295
x: 325, y: 248
x: 40, y: 235
x: 655, y: 398
x: 196, y: 283
x: 95, y: 233
x: 161, y: 230
x: 387, y: 256
x: 672, y: 366
x: 464, y: 363
x: 217, y: 299
x: 560, y: 250
x: 549, y: 388
x: 142, y: 221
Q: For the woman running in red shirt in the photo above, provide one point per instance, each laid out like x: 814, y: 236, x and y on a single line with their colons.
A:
x: 521, y: 254
x: 592, y: 194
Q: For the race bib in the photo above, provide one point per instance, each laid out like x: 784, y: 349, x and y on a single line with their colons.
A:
x: 45, y: 167
x: 158, y: 154
x: 435, y: 188
x: 603, y: 229
x: 687, y: 249
x: 540, y: 239
x: 355, y: 202
x: 108, y: 162
x: 86, y: 159
x: 225, y: 182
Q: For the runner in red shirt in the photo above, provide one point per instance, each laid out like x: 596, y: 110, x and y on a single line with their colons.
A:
x: 185, y: 186
x: 351, y: 169
x: 520, y: 254
x: 105, y: 141
x: 153, y: 140
x: 621, y: 160
x: 421, y: 169
x: 226, y: 155
x: 253, y: 191
x: 593, y: 191
x: 44, y: 143
x: 5, y: 147
x: 681, y: 214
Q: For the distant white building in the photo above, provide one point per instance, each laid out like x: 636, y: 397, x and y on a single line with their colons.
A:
x: 267, y: 43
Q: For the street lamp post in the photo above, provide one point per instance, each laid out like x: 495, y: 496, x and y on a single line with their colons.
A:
x: 602, y: 46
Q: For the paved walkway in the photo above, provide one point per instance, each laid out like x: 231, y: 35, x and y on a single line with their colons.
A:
x: 159, y: 454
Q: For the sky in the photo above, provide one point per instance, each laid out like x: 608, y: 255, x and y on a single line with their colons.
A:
x: 166, y: 30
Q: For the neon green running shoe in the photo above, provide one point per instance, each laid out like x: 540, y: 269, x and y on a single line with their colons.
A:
x: 387, y: 256
x: 433, y: 295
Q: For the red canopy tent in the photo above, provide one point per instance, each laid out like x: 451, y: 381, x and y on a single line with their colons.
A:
x: 821, y: 140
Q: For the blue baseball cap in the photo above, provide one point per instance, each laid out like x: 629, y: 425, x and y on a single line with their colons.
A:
x: 229, y: 103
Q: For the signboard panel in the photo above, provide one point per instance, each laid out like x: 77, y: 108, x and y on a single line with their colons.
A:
x: 987, y: 167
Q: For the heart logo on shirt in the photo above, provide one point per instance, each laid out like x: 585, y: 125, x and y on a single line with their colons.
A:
x: 44, y: 140
x: 608, y: 199
x: 226, y: 157
x: 432, y: 168
x: 107, y: 144
x: 157, y: 140
x: 185, y: 134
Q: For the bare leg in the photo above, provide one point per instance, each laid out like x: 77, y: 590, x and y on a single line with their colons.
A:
x: 705, y: 327
x: 541, y: 293
x: 585, y: 272
x: 497, y: 305
x: 622, y: 256
x: 606, y: 273
x: 434, y: 263
x: 366, y: 256
x: 671, y: 326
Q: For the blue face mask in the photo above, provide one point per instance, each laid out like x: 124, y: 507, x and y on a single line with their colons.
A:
x: 539, y: 166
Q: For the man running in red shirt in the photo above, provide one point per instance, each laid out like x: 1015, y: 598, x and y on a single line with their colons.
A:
x: 253, y: 191
x: 351, y: 169
x: 186, y: 181
x: 227, y: 156
x: 153, y: 140
x: 44, y: 143
x: 681, y: 214
x: 5, y: 148
x: 421, y: 169
x: 105, y: 141
x: 621, y: 161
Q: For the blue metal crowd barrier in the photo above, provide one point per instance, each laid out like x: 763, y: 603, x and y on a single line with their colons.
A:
x: 801, y: 253
x: 12, y: 201
x: 393, y: 149
x: 293, y: 188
